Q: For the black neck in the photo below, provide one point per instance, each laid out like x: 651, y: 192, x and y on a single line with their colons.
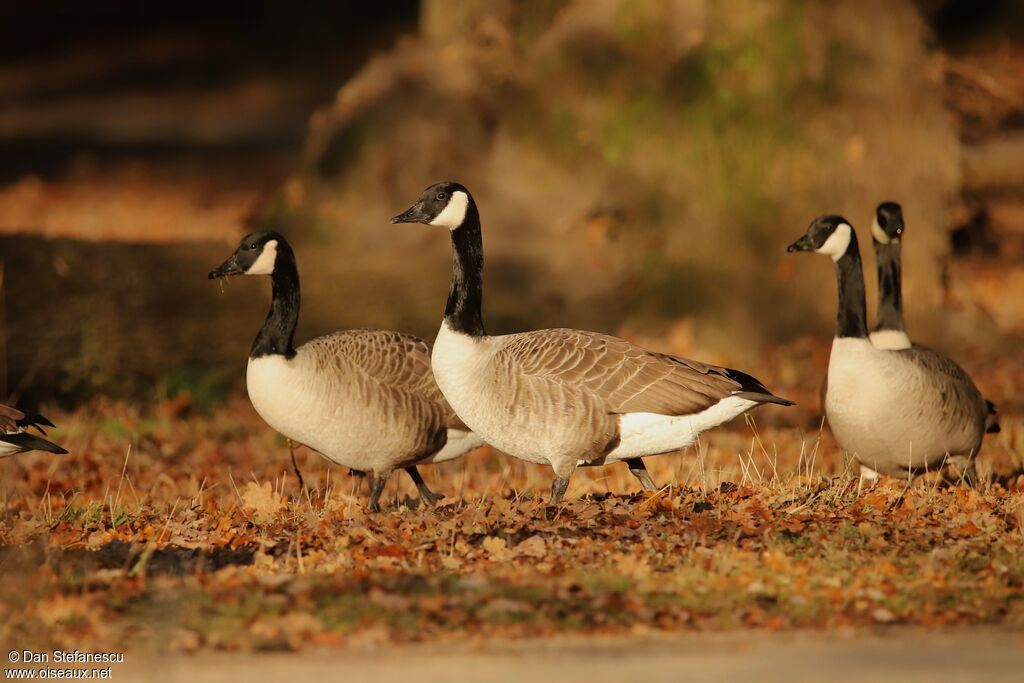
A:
x: 462, y: 313
x: 275, y: 337
x: 851, y: 320
x: 890, y: 296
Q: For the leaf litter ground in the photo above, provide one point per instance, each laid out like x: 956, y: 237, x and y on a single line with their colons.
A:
x: 169, y: 528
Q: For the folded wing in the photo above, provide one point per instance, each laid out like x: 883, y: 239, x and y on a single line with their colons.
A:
x: 623, y: 377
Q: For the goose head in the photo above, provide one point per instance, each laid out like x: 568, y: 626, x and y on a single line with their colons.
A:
x: 257, y: 254
x: 444, y: 205
x: 888, y: 225
x: 829, y: 235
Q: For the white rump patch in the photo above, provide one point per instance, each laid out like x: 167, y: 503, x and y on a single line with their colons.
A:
x: 454, y: 213
x: 460, y: 442
x: 7, y: 449
x: 878, y: 233
x: 649, y: 433
x: 837, y: 243
x: 890, y: 340
x: 264, y: 265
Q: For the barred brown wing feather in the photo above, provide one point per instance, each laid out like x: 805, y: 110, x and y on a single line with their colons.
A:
x: 9, y: 417
x: 397, y: 363
x: 617, y: 375
x: 954, y: 394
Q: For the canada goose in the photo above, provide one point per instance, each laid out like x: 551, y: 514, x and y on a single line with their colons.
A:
x: 564, y: 397
x: 898, y: 412
x: 13, y: 437
x: 365, y: 399
x: 889, y: 333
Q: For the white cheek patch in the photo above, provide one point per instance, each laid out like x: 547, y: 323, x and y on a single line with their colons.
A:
x: 878, y: 233
x: 837, y: 243
x: 454, y: 213
x: 264, y: 265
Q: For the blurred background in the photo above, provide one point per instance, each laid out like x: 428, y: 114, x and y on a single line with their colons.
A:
x: 640, y: 168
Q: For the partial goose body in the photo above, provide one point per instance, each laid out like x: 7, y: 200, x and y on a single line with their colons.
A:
x: 901, y: 411
x: 898, y: 412
x: 364, y: 399
x: 15, y: 437
x: 889, y: 333
x: 565, y: 397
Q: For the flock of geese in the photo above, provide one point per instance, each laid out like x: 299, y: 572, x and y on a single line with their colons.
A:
x: 377, y: 401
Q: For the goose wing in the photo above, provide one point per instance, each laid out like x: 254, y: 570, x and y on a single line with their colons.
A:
x: 12, y: 419
x: 623, y: 377
x: 953, y: 395
x: 395, y: 362
x: 9, y: 417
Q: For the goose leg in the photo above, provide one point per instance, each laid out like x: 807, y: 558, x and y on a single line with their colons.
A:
x: 295, y: 465
x: 377, y: 488
x: 563, y: 471
x: 428, y: 496
x: 970, y: 476
x: 558, y: 487
x: 968, y: 473
x: 639, y: 470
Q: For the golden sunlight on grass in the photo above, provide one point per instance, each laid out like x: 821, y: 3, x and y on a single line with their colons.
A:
x: 193, y: 532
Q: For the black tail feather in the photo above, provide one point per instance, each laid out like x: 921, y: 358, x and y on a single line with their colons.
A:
x: 991, y: 421
x: 752, y: 389
x: 34, y: 420
x: 30, y: 442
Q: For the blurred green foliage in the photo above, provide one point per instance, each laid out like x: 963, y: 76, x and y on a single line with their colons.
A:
x: 206, y: 386
x: 669, y: 146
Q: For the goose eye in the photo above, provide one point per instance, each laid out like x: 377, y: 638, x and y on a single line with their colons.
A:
x: 253, y: 246
x: 441, y: 196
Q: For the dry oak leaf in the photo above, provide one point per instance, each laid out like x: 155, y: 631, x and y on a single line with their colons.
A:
x: 631, y: 565
x: 497, y: 548
x: 262, y: 502
x: 877, y: 501
x: 97, y: 539
x: 968, y: 528
x: 534, y: 546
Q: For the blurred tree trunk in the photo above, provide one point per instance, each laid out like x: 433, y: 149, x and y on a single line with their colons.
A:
x: 3, y: 335
x: 444, y: 20
x: 997, y: 164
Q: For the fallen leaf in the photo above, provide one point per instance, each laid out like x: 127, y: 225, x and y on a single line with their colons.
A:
x: 262, y: 502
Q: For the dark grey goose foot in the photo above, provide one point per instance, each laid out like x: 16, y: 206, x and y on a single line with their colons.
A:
x: 639, y: 470
x: 426, y: 495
